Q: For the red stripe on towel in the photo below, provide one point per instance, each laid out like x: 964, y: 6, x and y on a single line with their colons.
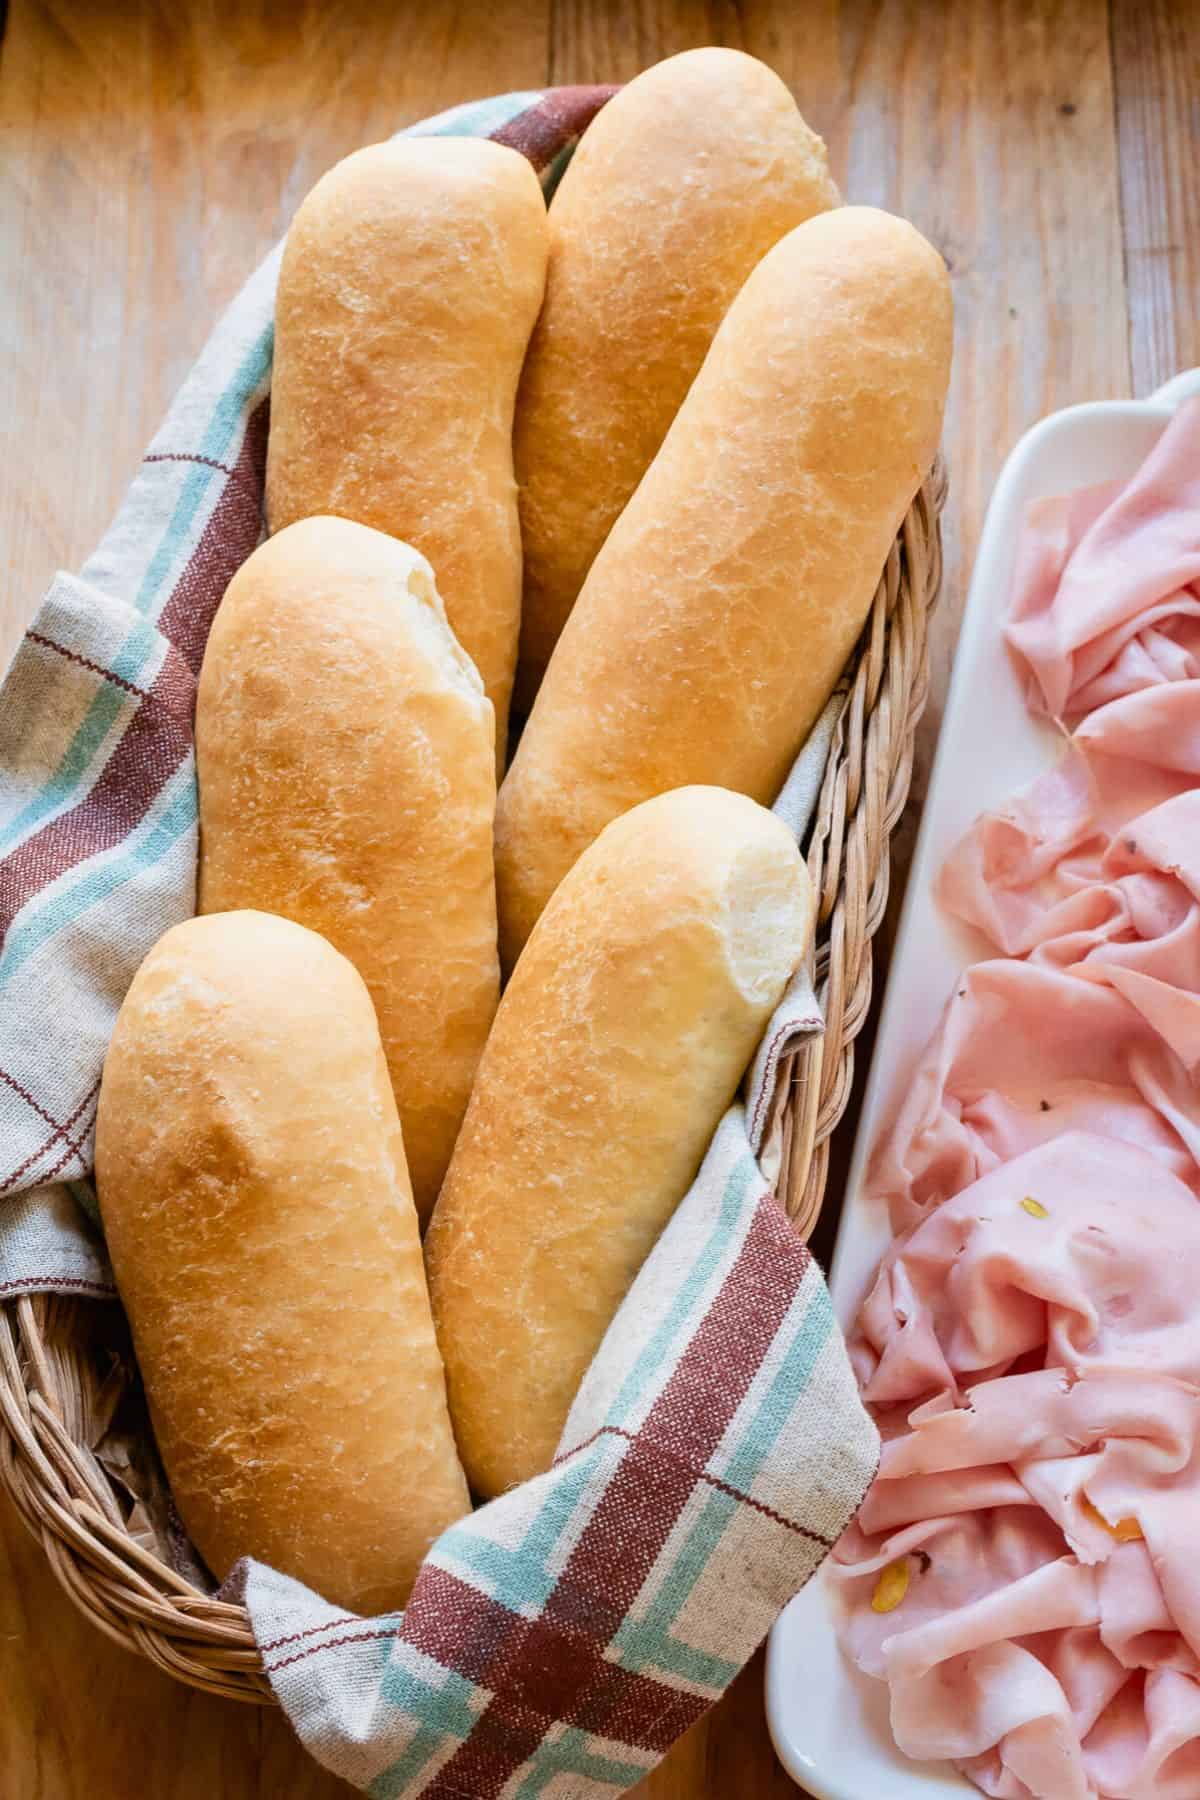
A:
x: 543, y: 131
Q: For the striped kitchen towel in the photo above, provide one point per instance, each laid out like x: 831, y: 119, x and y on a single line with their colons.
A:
x: 561, y: 1638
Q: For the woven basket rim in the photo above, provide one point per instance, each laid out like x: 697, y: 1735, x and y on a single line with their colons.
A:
x: 48, y: 1375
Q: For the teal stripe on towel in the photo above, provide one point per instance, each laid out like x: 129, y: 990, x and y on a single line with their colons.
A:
x: 569, y: 1754
x: 478, y: 118
x: 647, y: 1644
x: 228, y: 415
x: 97, y: 879
x: 775, y: 1407
x: 60, y: 790
x: 440, y: 1710
x: 737, y: 1186
x: 520, y: 1578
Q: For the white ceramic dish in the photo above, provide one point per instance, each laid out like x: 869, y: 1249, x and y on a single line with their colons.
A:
x: 829, y: 1724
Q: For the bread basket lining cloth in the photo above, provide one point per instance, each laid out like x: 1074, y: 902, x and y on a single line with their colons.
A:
x: 560, y: 1639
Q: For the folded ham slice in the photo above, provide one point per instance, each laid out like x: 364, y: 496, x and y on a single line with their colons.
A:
x: 1025, y: 1571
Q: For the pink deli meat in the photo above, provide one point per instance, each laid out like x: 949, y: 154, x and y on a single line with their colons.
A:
x: 1025, y: 1570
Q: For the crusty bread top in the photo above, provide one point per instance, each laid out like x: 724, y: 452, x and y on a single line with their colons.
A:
x: 621, y: 1038
x: 444, y: 236
x: 411, y: 279
x: 677, y: 189
x: 717, y: 616
x: 332, y: 561
x: 257, y: 1208
x: 344, y: 749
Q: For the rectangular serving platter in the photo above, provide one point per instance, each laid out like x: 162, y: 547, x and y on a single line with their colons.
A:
x: 829, y: 1724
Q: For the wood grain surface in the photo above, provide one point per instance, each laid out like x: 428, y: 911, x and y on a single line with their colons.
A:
x: 152, y: 152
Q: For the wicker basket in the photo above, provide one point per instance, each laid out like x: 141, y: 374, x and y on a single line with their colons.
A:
x: 60, y: 1358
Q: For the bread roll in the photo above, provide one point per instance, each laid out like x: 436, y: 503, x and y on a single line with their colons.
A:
x: 258, y: 1215
x: 716, y: 619
x: 618, y: 1045
x: 678, y: 188
x: 344, y: 748
x: 410, y: 282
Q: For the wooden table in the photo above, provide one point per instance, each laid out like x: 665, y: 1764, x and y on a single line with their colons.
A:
x: 153, y: 152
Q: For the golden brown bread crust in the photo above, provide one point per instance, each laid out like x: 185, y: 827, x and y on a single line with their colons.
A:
x: 257, y: 1209
x: 678, y: 187
x: 410, y: 282
x: 347, y: 781
x: 618, y: 1044
x: 717, y: 616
